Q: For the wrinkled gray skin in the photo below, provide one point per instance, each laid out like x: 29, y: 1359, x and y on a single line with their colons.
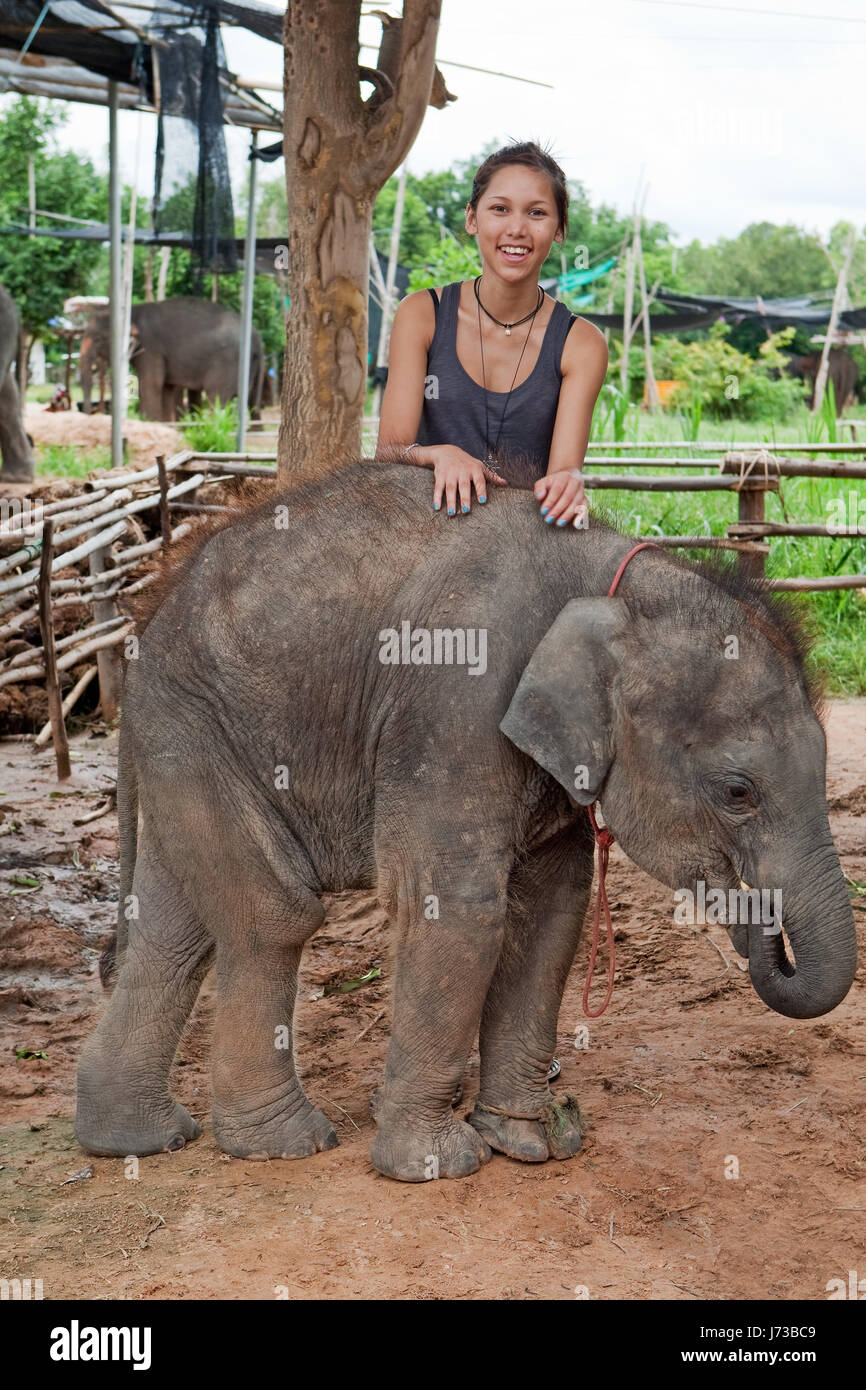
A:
x: 177, y: 344
x: 15, y: 448
x: 425, y: 780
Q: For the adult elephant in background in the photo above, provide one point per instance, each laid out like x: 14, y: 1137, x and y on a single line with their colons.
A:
x: 841, y: 370
x: 177, y: 345
x: 15, y: 448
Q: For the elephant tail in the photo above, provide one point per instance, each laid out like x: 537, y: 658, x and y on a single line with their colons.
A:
x: 127, y: 826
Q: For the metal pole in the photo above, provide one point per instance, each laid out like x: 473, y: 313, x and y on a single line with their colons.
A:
x: 115, y: 293
x: 389, y: 305
x: 247, y: 304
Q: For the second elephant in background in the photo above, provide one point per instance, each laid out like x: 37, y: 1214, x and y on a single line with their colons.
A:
x: 179, y: 345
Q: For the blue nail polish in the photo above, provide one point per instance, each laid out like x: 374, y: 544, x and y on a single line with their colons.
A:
x: 482, y: 500
x: 450, y: 511
x: 544, y: 511
x: 465, y: 508
x: 548, y: 519
x: 435, y: 506
x: 561, y: 521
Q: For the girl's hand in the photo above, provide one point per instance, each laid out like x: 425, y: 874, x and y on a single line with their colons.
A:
x: 456, y: 473
x: 563, y: 498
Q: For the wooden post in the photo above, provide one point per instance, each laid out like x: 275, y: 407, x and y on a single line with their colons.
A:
x: 103, y: 609
x: 751, y: 508
x: 52, y: 681
x: 164, y: 523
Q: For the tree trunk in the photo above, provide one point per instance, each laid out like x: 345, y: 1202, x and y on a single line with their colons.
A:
x: 339, y: 150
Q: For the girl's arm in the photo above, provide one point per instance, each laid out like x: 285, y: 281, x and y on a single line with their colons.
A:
x: 455, y: 471
x: 584, y: 365
x: 403, y: 397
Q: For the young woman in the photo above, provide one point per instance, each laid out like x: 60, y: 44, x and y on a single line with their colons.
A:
x: 492, y: 371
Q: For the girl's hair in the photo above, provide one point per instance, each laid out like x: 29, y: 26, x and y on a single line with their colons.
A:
x: 534, y: 157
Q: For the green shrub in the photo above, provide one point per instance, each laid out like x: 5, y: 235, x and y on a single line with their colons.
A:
x: 212, y: 429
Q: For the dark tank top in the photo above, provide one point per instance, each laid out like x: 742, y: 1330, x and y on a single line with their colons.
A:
x: 453, y: 410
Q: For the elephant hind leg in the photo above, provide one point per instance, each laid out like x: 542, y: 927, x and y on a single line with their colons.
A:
x: 259, y: 1105
x: 124, y: 1105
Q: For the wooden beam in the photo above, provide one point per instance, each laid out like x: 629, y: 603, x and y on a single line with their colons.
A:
x: 52, y: 680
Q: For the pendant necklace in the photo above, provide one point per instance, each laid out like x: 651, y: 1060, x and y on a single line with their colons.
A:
x: 491, y: 452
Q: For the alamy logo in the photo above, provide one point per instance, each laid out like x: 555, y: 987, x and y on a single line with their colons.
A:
x: 855, y: 1288
x: 76, y: 1343
x: 19, y: 1289
x: 736, y: 907
x: 438, y: 646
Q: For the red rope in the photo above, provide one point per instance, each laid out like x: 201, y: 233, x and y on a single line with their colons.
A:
x: 604, y: 838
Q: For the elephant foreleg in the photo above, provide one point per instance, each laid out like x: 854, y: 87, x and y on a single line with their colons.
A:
x: 516, y: 1112
x: 450, y: 920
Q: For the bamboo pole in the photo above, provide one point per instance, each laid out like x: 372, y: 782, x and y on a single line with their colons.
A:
x: 653, y: 398
x: 164, y: 523
x: 25, y: 580
x: 52, y: 682
x: 838, y: 298
x: 21, y: 659
x: 70, y: 658
x: 626, y: 318
x: 72, y: 699
x: 104, y: 611
x: 711, y: 447
x: 819, y: 584
x: 705, y: 482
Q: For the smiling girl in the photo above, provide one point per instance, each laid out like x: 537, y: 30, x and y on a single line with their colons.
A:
x: 490, y: 378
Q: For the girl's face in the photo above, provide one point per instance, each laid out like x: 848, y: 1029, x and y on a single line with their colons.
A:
x: 516, y: 222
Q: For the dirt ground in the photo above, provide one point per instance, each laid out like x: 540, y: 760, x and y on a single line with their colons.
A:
x: 144, y: 439
x: 687, y: 1076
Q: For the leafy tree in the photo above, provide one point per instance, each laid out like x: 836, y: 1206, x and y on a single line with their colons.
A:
x: 773, y: 261
x: 40, y: 272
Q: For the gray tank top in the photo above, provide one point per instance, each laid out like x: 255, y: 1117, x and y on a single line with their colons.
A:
x: 453, y: 410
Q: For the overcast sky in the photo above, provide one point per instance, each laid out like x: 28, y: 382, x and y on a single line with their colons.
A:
x: 731, y: 112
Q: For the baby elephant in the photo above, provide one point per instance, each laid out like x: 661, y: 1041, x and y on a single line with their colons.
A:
x: 343, y: 689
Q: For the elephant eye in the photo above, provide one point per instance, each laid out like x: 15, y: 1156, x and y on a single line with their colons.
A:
x: 739, y: 793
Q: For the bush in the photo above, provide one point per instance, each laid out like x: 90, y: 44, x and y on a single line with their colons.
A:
x: 725, y: 383
x: 212, y: 429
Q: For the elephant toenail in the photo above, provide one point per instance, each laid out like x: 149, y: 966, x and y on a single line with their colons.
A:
x: 178, y: 1142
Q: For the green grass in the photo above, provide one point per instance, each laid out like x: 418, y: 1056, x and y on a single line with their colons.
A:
x: 837, y: 617
x: 70, y: 460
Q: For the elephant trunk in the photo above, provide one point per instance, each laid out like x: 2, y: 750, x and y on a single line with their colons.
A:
x: 819, y: 924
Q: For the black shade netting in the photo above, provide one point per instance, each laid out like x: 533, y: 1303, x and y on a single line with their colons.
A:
x: 192, y: 193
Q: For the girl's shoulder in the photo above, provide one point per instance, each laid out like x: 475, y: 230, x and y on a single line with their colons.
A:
x: 583, y: 343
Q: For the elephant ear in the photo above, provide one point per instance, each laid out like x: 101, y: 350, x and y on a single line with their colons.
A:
x: 560, y: 714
